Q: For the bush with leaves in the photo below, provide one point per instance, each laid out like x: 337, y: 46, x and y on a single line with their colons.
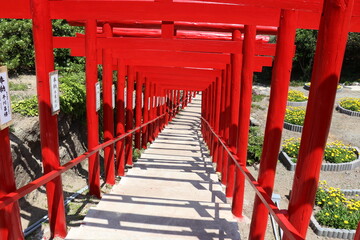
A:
x: 17, y: 49
x: 254, y: 146
x: 72, y: 98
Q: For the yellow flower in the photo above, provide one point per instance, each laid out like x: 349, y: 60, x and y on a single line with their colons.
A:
x: 327, y: 214
x: 346, y: 222
x: 336, y: 216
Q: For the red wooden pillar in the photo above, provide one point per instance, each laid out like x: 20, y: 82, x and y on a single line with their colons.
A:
x: 244, y: 115
x: 236, y: 65
x: 170, y: 104
x: 129, y: 115
x: 44, y: 56
x: 139, y: 85
x: 210, y: 109
x: 357, y: 234
x: 120, y: 119
x: 177, y: 101
x: 226, y: 132
x: 10, y: 224
x: 217, y: 118
x: 153, y: 132
x: 167, y: 109
x: 330, y: 48
x: 190, y: 99
x: 221, y: 154
x: 275, y: 117
x: 183, y: 102
x: 108, y: 110
x: 151, y: 101
x: 91, y: 113
x: 146, y: 114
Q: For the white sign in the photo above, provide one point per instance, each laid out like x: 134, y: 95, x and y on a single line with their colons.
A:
x: 54, y: 92
x: 5, y: 106
x: 113, y: 96
x: 97, y: 95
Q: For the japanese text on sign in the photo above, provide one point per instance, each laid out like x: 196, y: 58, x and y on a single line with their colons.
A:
x: 97, y: 91
x: 54, y: 92
x: 113, y: 96
x: 5, y: 106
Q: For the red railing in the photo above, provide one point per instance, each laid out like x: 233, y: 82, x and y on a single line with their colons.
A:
x: 278, y: 214
x: 14, y: 196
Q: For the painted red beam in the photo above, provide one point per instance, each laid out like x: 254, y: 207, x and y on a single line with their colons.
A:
x: 215, y: 46
x: 177, y: 70
x: 178, y: 74
x: 141, y: 10
x: 180, y: 34
x: 76, y: 50
x: 180, y: 25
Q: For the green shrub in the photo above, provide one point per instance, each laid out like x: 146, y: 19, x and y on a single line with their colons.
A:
x: 27, y: 107
x: 73, y: 95
x: 352, y: 104
x: 336, y: 211
x: 16, y: 46
x: 72, y: 98
x: 335, y: 152
x: 17, y: 49
x: 254, y: 146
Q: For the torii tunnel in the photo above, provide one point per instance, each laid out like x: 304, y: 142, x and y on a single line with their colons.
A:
x: 169, y: 51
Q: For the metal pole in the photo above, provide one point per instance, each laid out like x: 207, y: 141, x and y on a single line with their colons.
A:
x: 108, y: 110
x: 44, y: 56
x: 330, y: 49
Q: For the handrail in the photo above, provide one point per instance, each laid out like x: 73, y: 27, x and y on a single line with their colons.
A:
x: 21, y: 192
x: 278, y: 214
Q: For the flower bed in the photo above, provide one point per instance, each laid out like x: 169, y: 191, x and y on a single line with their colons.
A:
x: 307, y: 86
x: 337, y: 157
x: 294, y: 118
x: 336, y: 215
x: 296, y: 98
x: 349, y: 106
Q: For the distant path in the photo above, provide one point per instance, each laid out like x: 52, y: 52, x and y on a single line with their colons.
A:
x: 171, y: 193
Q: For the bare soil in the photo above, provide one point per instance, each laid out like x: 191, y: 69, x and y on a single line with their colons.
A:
x: 345, y: 128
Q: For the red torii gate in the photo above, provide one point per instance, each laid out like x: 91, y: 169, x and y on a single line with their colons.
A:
x: 269, y: 15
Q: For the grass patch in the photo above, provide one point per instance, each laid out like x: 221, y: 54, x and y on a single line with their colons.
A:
x: 17, y: 86
x: 258, y: 97
x: 257, y: 106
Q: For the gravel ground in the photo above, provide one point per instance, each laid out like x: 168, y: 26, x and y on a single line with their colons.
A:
x: 343, y: 127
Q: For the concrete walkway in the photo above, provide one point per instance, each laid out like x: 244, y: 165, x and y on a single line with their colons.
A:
x: 171, y: 193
